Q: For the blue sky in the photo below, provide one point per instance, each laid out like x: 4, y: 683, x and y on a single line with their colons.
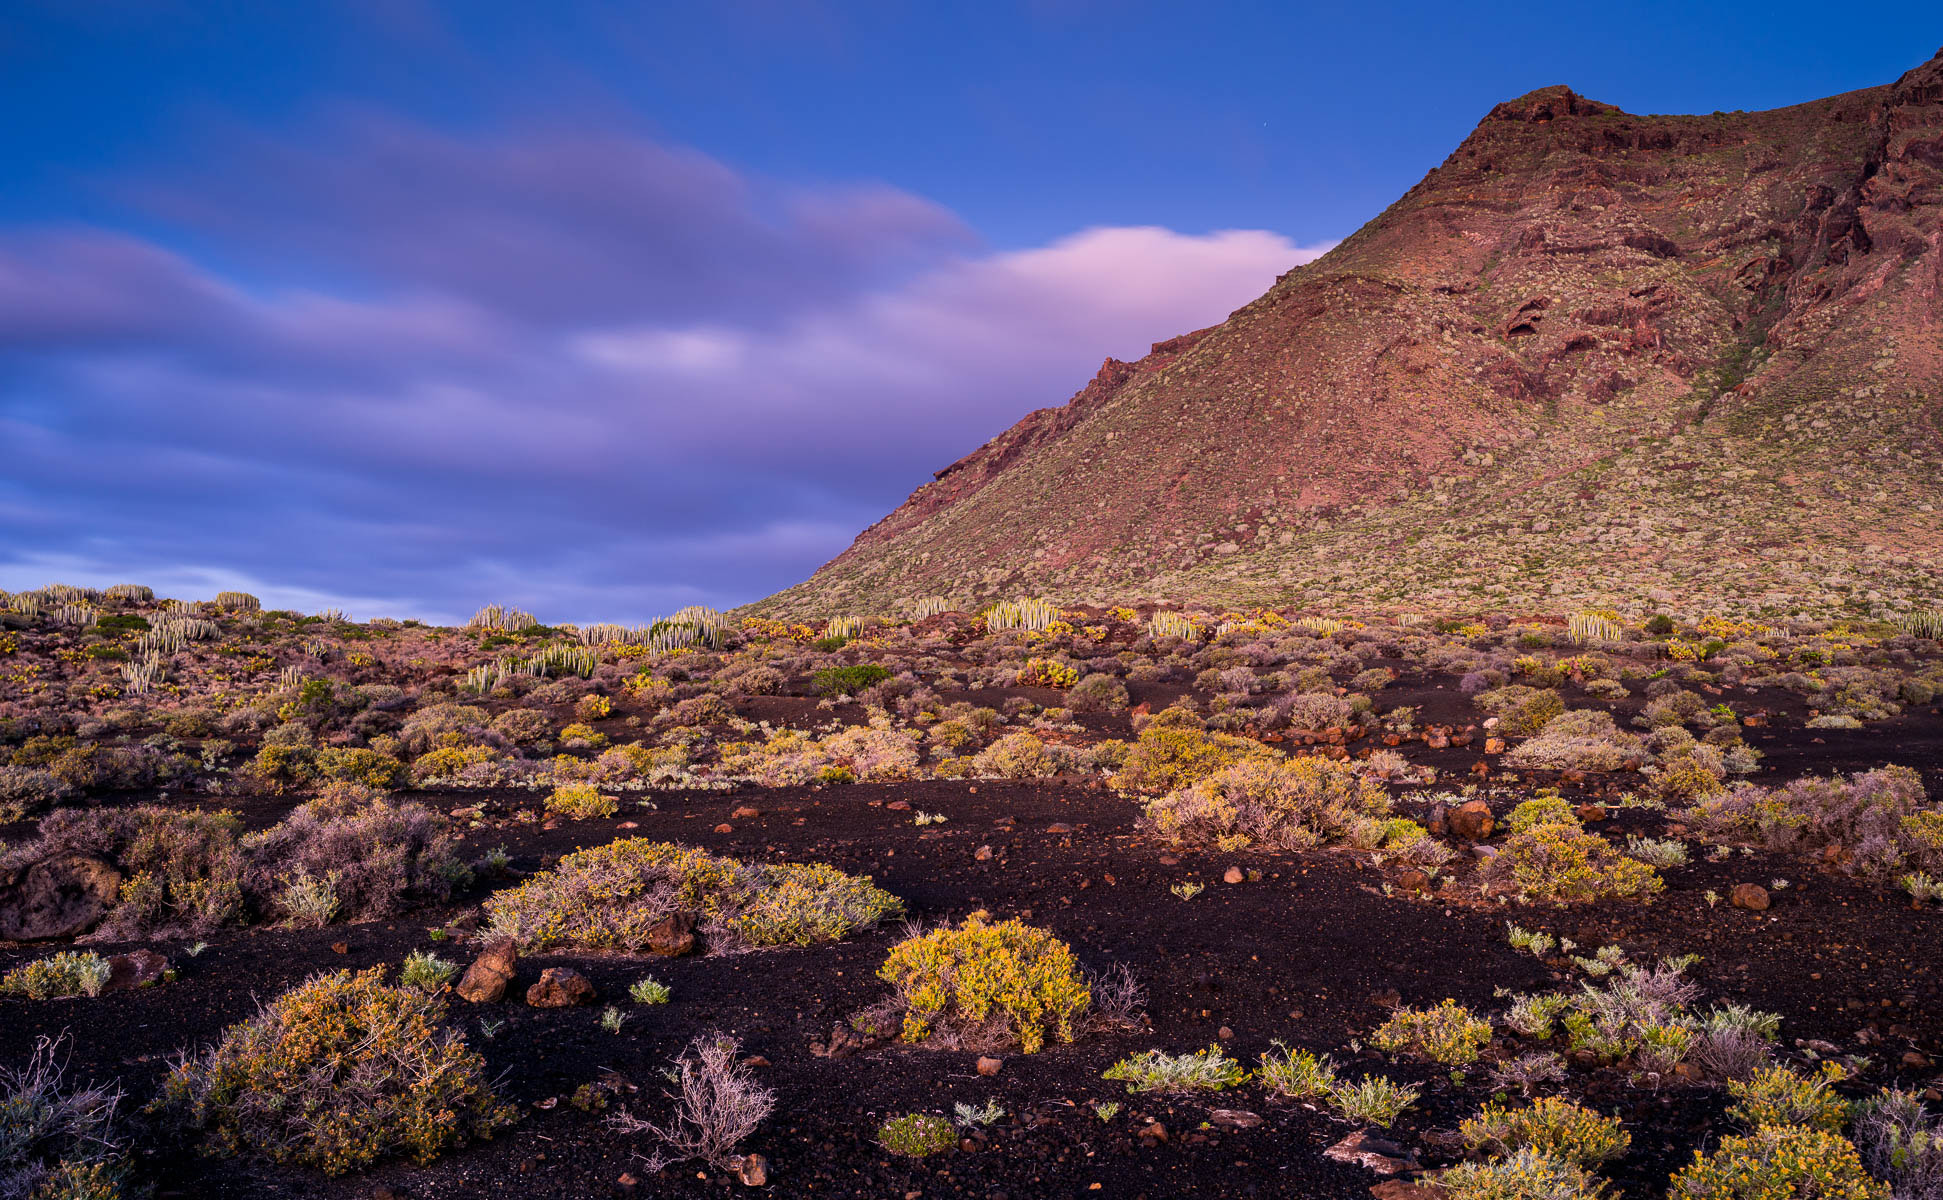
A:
x: 407, y: 306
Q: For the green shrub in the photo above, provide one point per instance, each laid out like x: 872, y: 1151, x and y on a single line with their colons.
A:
x: 427, y: 971
x: 1546, y: 808
x: 613, y: 896
x: 1296, y: 1074
x: 337, y: 1073
x: 917, y: 1135
x: 979, y: 981
x: 56, y: 1142
x: 848, y: 681
x: 648, y: 990
x: 1284, y: 803
x: 1174, y: 752
x: 1375, y: 1100
x: 1448, y: 1033
x: 1778, y: 1162
x: 68, y: 973
x: 1549, y: 1126
x: 581, y: 801
x: 1778, y: 1096
x: 1566, y: 865
x: 1523, y: 1175
x: 357, y: 765
x: 1157, y: 1071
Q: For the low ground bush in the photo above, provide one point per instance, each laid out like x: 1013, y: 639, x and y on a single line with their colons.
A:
x: 986, y: 985
x: 1584, y: 739
x: 1373, y: 1100
x: 1779, y: 1096
x: 614, y: 896
x: 56, y: 1142
x: 1158, y: 1071
x: 1550, y: 1126
x: 1522, y: 1175
x: 718, y: 1103
x: 1778, y: 1162
x: 1448, y: 1033
x: 1564, y: 864
x: 68, y: 973
x: 1879, y: 821
x: 917, y: 1135
x: 182, y: 870
x: 338, y: 1072
x: 1521, y: 710
x: 1288, y: 804
x: 848, y: 681
x: 377, y: 858
x: 1173, y: 752
x: 581, y: 801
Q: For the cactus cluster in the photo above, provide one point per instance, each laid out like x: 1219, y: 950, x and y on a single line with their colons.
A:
x: 1925, y: 623
x: 131, y: 593
x: 929, y: 606
x: 141, y: 675
x: 502, y: 619
x: 1024, y: 615
x: 1594, y: 627
x: 238, y: 602
x: 1173, y: 624
x: 844, y: 627
x: 1318, y: 626
x: 171, y: 631
x: 79, y: 616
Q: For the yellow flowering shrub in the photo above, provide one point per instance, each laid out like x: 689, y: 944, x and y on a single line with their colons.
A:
x: 447, y: 761
x: 1549, y: 1125
x: 1778, y: 1096
x: 1174, y: 752
x: 1290, y: 804
x: 1778, y: 1162
x: 1047, y: 672
x: 1565, y: 864
x: 612, y: 897
x: 336, y: 1073
x: 962, y: 978
x: 581, y: 801
x: 1448, y: 1033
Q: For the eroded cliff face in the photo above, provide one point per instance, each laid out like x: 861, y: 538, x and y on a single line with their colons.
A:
x: 1592, y: 357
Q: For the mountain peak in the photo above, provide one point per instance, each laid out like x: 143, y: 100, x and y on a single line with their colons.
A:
x: 1592, y: 359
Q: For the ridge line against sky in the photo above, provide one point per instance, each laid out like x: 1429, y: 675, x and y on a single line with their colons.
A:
x: 406, y: 307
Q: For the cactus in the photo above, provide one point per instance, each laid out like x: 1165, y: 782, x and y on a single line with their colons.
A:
x: 80, y: 616
x: 1318, y: 626
x: 1925, y: 623
x: 1594, y: 627
x: 929, y: 606
x: 1172, y: 624
x: 844, y: 627
x: 238, y: 602
x: 1024, y: 615
x: 131, y: 593
x: 141, y: 675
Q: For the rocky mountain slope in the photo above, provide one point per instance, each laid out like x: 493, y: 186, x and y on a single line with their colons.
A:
x: 1592, y: 358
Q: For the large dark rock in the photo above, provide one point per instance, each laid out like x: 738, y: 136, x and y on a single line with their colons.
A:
x: 60, y: 896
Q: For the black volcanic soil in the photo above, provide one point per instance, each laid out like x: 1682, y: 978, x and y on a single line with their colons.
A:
x: 1306, y: 955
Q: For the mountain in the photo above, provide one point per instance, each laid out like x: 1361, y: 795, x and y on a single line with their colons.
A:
x: 1592, y: 358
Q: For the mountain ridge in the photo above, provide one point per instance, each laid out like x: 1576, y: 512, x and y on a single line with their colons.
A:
x: 1591, y: 358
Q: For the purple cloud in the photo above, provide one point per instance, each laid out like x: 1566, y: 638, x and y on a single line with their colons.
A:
x: 594, y: 375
